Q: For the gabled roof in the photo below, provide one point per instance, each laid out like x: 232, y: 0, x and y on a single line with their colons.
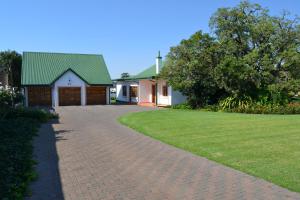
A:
x: 148, y: 73
x: 39, y: 68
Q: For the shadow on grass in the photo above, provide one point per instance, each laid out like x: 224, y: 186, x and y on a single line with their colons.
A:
x: 48, y: 184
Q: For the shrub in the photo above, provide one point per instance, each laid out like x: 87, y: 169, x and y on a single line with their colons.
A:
x: 182, y: 106
x: 235, y: 102
x: 36, y: 114
x: 213, y: 108
x: 17, y: 129
x: 16, y: 162
x: 9, y: 98
x: 292, y: 108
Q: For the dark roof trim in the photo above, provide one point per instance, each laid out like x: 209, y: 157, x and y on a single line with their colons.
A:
x: 66, y: 72
x: 100, y: 84
x: 134, y: 79
x: 35, y: 85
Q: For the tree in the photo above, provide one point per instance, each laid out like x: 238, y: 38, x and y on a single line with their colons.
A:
x: 259, y: 49
x: 125, y: 75
x: 190, y: 67
x: 249, y: 54
x: 11, y: 62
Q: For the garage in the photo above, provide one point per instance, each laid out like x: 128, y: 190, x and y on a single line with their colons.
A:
x: 69, y: 96
x: 95, y: 95
x: 39, y: 96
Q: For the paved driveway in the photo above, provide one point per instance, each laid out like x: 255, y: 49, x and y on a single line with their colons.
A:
x: 89, y: 155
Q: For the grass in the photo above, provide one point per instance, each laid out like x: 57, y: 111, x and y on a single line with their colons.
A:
x: 266, y: 146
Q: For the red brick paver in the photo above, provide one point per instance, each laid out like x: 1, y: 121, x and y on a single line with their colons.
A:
x: 97, y: 158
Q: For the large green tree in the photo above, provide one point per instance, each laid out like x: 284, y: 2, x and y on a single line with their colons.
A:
x: 249, y: 53
x: 189, y: 68
x: 259, y: 49
x: 11, y: 62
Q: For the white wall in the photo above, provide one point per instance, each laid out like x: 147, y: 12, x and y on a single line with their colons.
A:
x: 145, y: 91
x: 25, y: 93
x: 177, y: 97
x: 107, y: 95
x: 119, y: 92
x: 163, y: 100
x: 69, y: 79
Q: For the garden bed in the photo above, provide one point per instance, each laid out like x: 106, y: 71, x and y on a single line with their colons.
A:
x: 18, y: 128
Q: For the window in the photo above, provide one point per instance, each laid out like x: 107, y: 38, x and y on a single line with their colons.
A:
x: 165, y: 90
x: 133, y: 91
x: 124, y: 90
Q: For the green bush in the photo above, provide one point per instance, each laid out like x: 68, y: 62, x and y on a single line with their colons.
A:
x: 17, y: 129
x: 16, y: 162
x: 9, y: 98
x: 212, y: 108
x: 292, y: 108
x: 182, y: 106
x: 235, y: 102
x: 37, y: 114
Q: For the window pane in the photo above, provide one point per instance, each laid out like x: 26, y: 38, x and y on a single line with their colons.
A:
x: 124, y: 90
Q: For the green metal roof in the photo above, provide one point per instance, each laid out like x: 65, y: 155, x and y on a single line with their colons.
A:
x: 148, y: 73
x: 39, y: 68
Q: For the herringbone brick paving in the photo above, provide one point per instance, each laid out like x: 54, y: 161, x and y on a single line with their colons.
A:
x: 97, y: 158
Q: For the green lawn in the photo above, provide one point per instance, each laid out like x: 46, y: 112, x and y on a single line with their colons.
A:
x: 266, y: 146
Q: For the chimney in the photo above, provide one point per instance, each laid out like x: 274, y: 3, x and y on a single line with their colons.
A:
x: 158, y: 63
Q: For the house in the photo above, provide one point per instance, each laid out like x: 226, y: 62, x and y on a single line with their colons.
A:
x: 146, y: 89
x: 62, y: 79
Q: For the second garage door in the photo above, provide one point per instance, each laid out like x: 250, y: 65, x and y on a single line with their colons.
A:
x: 69, y: 96
x: 95, y: 95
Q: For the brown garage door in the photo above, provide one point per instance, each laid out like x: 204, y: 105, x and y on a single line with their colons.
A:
x: 69, y: 96
x: 95, y: 95
x: 39, y: 96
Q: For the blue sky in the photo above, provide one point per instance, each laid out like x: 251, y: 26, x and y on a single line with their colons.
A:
x: 127, y: 32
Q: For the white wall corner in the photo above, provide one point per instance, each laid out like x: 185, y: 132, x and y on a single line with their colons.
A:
x: 25, y: 93
x: 107, y: 95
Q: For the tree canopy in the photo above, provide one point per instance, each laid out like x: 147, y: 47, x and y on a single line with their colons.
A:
x: 249, y: 53
x: 125, y: 75
x: 11, y: 62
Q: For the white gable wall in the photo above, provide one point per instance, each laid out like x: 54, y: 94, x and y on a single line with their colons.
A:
x: 119, y: 92
x: 163, y: 100
x: 145, y: 91
x: 177, y: 97
x: 69, y: 79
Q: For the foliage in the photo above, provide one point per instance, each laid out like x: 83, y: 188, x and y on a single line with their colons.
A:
x: 17, y: 130
x: 181, y: 106
x: 234, y: 102
x: 125, y: 75
x: 39, y: 115
x: 266, y: 146
x: 9, y: 98
x: 189, y: 68
x: 11, y: 62
x: 250, y: 53
x: 291, y: 108
x: 16, y: 156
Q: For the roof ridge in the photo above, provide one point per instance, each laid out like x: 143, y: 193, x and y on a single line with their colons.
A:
x: 89, y: 54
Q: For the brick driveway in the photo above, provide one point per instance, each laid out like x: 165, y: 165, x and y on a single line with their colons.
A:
x: 89, y: 155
